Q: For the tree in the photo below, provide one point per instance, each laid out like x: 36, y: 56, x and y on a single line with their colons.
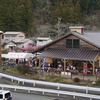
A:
x: 23, y: 16
x: 77, y: 13
x: 6, y: 13
x: 16, y: 15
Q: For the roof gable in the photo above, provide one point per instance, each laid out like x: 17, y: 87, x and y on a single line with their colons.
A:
x: 42, y: 38
x: 10, y: 42
x: 13, y: 33
x: 91, y: 37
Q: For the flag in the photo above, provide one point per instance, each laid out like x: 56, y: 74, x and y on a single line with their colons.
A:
x: 43, y: 63
x: 29, y: 63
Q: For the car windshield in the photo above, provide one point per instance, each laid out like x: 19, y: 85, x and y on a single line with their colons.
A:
x: 7, y: 95
x: 1, y: 96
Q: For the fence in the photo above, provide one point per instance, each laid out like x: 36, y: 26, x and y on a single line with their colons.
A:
x: 66, y: 75
x: 29, y: 89
x: 58, y: 85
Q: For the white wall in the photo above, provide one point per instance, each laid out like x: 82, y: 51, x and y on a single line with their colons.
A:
x: 43, y: 42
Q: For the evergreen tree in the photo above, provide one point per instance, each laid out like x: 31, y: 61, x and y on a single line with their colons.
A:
x: 6, y: 13
x: 23, y: 16
x: 16, y: 15
x: 77, y: 13
x: 70, y: 11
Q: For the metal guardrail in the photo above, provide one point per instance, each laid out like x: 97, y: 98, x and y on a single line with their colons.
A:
x: 29, y: 89
x: 58, y: 85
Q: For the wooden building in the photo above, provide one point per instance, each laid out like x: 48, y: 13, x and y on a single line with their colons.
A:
x: 76, y: 47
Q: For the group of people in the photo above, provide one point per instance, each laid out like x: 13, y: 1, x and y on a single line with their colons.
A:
x: 70, y: 67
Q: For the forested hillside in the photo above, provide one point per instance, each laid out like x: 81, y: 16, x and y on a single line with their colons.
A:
x: 40, y: 17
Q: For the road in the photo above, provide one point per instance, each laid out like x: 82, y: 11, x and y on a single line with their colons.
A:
x: 22, y: 96
x: 26, y: 96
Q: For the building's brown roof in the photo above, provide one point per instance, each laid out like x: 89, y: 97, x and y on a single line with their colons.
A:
x: 73, y: 54
x: 88, y: 36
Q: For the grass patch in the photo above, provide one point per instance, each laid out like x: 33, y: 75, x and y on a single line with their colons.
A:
x: 58, y: 79
x: 30, y: 75
x: 5, y: 68
x: 55, y: 77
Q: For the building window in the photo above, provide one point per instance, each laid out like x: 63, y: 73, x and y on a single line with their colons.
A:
x: 76, y: 43
x: 72, y: 43
x: 69, y: 43
x: 40, y: 40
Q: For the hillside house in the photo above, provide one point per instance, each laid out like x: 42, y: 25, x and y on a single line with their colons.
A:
x: 13, y: 35
x: 42, y: 41
x: 14, y: 40
x: 75, y: 48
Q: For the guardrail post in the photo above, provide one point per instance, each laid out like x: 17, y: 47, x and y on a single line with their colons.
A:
x: 90, y: 98
x: 23, y: 82
x: 0, y: 76
x: 2, y: 88
x: 87, y: 90
x: 28, y: 91
x: 18, y: 82
x: 12, y: 80
x: 43, y: 92
x: 58, y: 94
x: 74, y: 96
x: 34, y: 84
x: 58, y: 87
x: 15, y: 89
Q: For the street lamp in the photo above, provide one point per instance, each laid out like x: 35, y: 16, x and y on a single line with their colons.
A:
x: 0, y: 46
x: 59, y: 19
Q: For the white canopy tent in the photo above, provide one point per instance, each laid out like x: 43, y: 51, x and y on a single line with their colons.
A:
x: 3, y: 55
x: 15, y: 55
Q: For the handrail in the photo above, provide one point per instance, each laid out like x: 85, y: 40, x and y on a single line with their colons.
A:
x: 29, y: 89
x: 58, y: 85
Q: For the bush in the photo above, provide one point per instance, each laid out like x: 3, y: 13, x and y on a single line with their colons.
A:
x: 58, y: 79
x: 5, y: 51
x: 98, y: 80
x: 4, y: 68
x: 76, y: 80
x: 23, y: 69
x: 94, y: 83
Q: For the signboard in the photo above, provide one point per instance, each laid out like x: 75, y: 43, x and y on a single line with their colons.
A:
x: 85, y: 68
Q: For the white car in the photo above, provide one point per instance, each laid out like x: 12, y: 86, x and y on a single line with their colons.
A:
x: 5, y: 95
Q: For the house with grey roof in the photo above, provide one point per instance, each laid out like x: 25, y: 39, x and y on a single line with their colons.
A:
x: 14, y: 40
x: 13, y: 35
x: 78, y: 48
x: 40, y: 41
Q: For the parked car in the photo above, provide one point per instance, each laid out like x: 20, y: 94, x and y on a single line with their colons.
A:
x: 5, y: 95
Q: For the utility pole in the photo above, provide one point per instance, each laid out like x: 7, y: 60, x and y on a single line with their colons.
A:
x: 59, y: 19
x: 0, y: 46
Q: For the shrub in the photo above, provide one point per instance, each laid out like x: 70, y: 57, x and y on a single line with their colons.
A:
x: 98, y: 80
x: 95, y: 83
x: 23, y: 69
x: 4, y: 68
x: 5, y: 51
x: 76, y: 80
x: 58, y: 79
x: 30, y: 75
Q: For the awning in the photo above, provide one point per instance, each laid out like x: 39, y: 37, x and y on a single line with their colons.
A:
x: 3, y: 55
x: 16, y: 55
x: 71, y: 54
